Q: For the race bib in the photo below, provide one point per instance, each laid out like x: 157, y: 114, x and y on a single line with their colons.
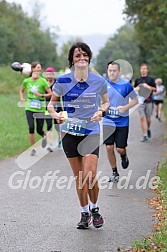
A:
x: 74, y: 126
x: 35, y: 104
x: 113, y: 112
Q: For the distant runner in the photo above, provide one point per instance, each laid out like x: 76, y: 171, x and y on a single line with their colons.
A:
x: 37, y: 89
x: 145, y: 86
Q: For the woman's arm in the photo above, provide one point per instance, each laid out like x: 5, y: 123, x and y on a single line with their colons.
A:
x: 51, y: 108
x: 104, y: 108
x: 48, y: 94
x: 22, y: 90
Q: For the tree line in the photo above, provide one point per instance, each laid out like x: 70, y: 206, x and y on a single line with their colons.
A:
x: 22, y: 39
x: 141, y: 39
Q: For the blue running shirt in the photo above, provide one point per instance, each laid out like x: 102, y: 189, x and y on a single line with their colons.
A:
x: 81, y: 99
x: 119, y: 94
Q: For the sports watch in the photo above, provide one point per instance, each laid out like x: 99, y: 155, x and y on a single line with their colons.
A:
x: 103, y: 112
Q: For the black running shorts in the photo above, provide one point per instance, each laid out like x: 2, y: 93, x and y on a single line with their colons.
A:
x: 115, y: 135
x: 75, y: 146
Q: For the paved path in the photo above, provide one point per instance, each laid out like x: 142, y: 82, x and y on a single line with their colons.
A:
x: 41, y: 216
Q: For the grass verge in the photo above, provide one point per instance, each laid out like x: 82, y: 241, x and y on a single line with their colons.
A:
x: 157, y: 241
x: 14, y: 127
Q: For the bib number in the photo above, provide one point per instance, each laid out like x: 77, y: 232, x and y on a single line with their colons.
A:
x: 113, y: 112
x: 74, y: 126
x: 35, y: 104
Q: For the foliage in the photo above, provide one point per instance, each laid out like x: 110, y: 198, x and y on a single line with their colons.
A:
x: 121, y: 46
x: 150, y: 22
x: 21, y: 38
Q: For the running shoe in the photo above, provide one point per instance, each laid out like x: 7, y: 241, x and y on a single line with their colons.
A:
x: 33, y: 152
x: 59, y: 144
x: 145, y: 139
x: 85, y: 221
x: 97, y: 218
x: 114, y: 177
x: 148, y: 133
x: 50, y: 148
x: 44, y: 141
x: 125, y: 162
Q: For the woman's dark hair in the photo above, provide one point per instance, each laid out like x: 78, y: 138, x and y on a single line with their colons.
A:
x: 34, y: 64
x: 79, y: 45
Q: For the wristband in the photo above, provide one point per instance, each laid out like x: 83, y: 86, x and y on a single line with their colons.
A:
x: 103, y: 112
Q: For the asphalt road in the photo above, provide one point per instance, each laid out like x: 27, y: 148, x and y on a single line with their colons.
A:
x: 39, y: 212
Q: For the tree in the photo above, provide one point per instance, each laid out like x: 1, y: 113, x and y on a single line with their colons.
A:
x: 22, y: 38
x: 120, y: 46
x: 149, y: 18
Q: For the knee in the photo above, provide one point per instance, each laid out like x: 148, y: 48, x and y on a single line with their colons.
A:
x: 142, y: 118
x: 121, y: 151
x: 110, y: 148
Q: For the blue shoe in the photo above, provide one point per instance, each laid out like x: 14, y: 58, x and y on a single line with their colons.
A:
x: 145, y: 139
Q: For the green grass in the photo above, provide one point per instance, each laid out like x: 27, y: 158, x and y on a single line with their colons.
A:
x: 13, y: 125
x: 10, y: 81
x: 157, y: 242
x: 165, y: 114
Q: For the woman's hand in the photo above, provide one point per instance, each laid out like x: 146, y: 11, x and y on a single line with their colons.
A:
x: 97, y: 116
x: 37, y: 94
x: 22, y: 100
x: 58, y: 116
x: 121, y: 109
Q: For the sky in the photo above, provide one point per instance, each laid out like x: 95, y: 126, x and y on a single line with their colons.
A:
x: 79, y: 17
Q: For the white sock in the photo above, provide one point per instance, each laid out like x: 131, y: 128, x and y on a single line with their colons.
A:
x: 85, y: 209
x: 92, y: 205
